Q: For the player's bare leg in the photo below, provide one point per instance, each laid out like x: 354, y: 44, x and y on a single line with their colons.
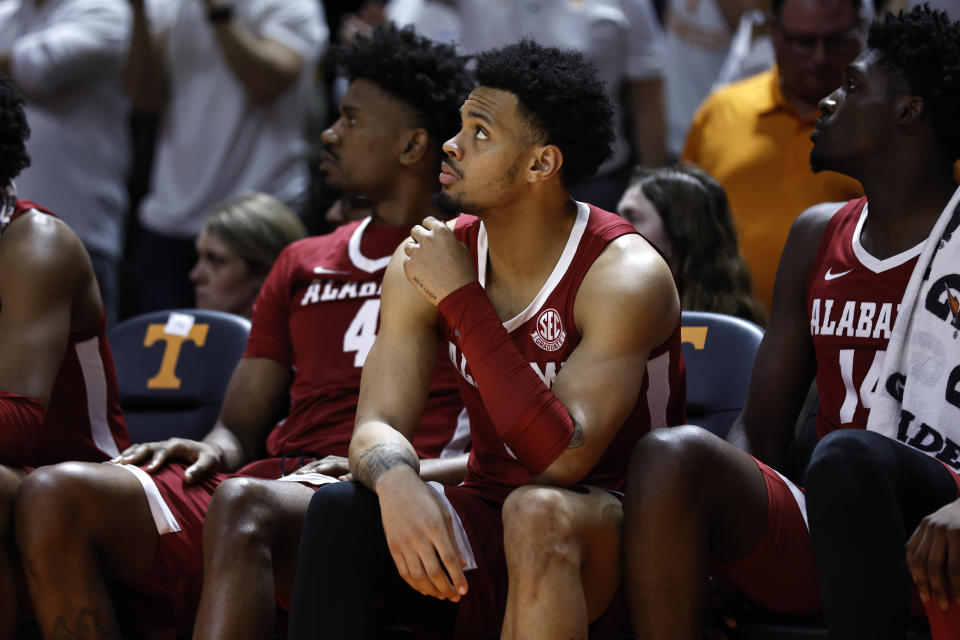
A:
x: 9, y: 598
x: 76, y: 521
x: 563, y: 559
x: 690, y: 498
x: 250, y: 540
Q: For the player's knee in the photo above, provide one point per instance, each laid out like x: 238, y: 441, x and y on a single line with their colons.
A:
x: 240, y: 510
x: 843, y: 464
x: 344, y: 509
x: 670, y: 461
x: 51, y: 502
x: 538, y: 524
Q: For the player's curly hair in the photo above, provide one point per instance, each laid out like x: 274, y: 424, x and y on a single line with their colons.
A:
x: 14, y: 132
x: 429, y: 76
x: 560, y: 96
x: 923, y: 48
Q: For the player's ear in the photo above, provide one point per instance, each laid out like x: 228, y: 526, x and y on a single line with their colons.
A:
x: 909, y: 109
x: 547, y: 161
x: 415, y: 145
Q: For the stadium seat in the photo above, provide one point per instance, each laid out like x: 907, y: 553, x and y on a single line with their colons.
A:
x: 718, y: 351
x: 173, y: 368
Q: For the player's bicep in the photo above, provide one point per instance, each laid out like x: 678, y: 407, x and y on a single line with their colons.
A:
x: 397, y: 372
x: 627, y: 307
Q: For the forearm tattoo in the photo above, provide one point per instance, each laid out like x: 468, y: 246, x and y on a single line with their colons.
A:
x: 577, y: 439
x: 379, y: 459
x: 91, y: 624
x: 423, y: 288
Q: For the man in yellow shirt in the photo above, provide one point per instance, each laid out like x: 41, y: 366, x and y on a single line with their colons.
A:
x: 753, y: 136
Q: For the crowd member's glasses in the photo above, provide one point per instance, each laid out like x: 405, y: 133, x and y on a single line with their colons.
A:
x: 837, y: 44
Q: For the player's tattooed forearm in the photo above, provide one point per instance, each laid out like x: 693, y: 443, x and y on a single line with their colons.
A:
x: 91, y: 624
x: 379, y: 459
x: 577, y: 439
x: 423, y: 288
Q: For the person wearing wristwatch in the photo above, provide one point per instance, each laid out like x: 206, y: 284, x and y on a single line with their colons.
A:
x: 229, y: 81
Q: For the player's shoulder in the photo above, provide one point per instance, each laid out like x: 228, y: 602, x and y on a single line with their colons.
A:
x: 808, y: 228
x: 37, y: 240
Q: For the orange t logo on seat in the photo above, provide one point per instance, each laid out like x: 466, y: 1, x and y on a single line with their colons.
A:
x: 166, y: 377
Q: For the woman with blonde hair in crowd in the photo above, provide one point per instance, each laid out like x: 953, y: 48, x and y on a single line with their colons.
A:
x: 236, y: 248
x: 684, y: 213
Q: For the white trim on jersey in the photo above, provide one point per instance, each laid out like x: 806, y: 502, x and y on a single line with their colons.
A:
x: 162, y: 517
x: 559, y: 270
x: 95, y: 384
x: 460, y: 438
x: 459, y: 533
x: 875, y: 264
x: 798, y: 497
x: 360, y: 261
x: 658, y: 389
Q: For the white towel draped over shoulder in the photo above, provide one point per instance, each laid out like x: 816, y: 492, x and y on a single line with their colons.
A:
x: 917, y: 400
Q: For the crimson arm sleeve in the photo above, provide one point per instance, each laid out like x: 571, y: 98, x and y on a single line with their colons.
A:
x: 528, y: 416
x: 21, y: 419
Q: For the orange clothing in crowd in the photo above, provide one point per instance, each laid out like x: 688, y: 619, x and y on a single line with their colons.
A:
x: 748, y: 138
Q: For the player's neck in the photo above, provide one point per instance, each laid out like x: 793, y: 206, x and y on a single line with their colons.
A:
x: 904, y: 207
x: 407, y: 204
x: 524, y: 245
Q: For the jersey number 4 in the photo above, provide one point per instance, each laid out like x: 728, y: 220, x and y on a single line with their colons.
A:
x: 864, y: 395
x: 362, y: 332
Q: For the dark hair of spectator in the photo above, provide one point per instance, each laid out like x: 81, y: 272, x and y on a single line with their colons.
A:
x: 14, y: 132
x: 923, y: 48
x: 562, y: 99
x: 710, y: 274
x: 427, y: 75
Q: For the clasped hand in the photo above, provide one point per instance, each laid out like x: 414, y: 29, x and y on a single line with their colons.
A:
x: 437, y: 264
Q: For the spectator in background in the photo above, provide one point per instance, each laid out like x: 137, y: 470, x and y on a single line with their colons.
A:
x: 684, y: 213
x: 698, y: 36
x: 231, y: 81
x: 236, y: 248
x: 754, y: 136
x: 622, y: 38
x: 66, y: 57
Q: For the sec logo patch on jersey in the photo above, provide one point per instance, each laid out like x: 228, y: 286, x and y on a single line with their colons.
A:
x: 549, y: 335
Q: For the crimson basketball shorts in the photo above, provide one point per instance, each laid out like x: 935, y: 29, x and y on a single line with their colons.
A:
x: 780, y: 573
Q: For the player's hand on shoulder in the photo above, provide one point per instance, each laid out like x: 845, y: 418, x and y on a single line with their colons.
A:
x: 204, y: 458
x: 933, y: 556
x: 420, y: 536
x: 436, y: 264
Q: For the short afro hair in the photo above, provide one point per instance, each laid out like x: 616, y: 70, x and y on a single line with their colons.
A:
x: 14, y: 132
x: 561, y: 96
x: 428, y: 76
x: 923, y: 48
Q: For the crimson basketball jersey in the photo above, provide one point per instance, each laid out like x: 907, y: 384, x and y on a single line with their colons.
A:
x: 546, y: 334
x: 84, y: 420
x: 318, y: 313
x: 852, y: 300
